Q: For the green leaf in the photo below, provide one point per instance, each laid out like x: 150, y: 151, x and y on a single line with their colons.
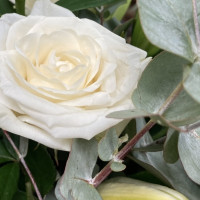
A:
x: 15, y: 139
x: 78, y: 172
x: 172, y: 174
x: 19, y: 195
x: 139, y: 39
x: 80, y: 4
x: 9, y: 175
x: 4, y: 154
x: 192, y: 82
x: 170, y: 152
x: 169, y: 25
x: 6, y: 7
x: 23, y: 146
x: 123, y: 27
x: 129, y: 114
x: 189, y: 151
x: 121, y: 10
x: 158, y: 81
x: 155, y: 146
x: 42, y: 167
x: 20, y: 6
x: 108, y: 145
x: 117, y: 166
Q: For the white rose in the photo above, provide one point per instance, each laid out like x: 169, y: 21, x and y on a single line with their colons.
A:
x: 60, y: 76
x: 29, y: 5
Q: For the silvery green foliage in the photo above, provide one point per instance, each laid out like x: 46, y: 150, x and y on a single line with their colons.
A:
x: 189, y: 151
x: 169, y: 24
x: 170, y: 151
x: 75, y: 182
x: 172, y: 174
x: 108, y: 145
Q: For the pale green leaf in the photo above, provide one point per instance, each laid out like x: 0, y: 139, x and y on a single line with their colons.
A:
x: 170, y: 152
x: 23, y: 146
x: 117, y: 166
x: 157, y: 83
x: 140, y: 40
x: 189, y: 151
x: 169, y: 25
x: 78, y: 172
x: 192, y: 82
x: 129, y: 114
x: 155, y: 146
x: 108, y: 145
x: 172, y: 174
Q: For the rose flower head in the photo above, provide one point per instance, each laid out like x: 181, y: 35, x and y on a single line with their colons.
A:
x: 60, y: 76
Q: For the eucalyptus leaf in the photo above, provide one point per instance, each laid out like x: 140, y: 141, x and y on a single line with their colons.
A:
x: 158, y: 81
x: 192, y: 82
x: 23, y: 146
x: 78, y: 172
x: 80, y: 4
x: 117, y: 166
x: 139, y: 39
x: 155, y: 146
x: 172, y: 174
x: 189, y: 151
x: 129, y: 114
x: 9, y: 175
x: 170, y: 152
x: 108, y: 145
x: 169, y: 25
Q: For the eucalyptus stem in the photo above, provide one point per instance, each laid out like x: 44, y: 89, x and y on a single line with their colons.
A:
x: 196, y: 24
x: 21, y: 158
x: 121, y: 154
x: 101, y: 176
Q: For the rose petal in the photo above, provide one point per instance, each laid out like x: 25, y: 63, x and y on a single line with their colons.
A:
x: 11, y: 123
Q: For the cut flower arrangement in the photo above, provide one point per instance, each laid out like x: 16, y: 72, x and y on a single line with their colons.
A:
x: 92, y: 88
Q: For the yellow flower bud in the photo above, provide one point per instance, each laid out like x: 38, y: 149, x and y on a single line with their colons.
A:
x: 122, y: 188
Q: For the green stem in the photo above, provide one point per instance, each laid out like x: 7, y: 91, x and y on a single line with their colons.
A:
x: 121, y: 154
x: 21, y: 158
x: 101, y: 176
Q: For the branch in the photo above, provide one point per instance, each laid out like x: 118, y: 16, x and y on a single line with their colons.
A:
x: 121, y: 154
x: 21, y: 158
x: 101, y: 176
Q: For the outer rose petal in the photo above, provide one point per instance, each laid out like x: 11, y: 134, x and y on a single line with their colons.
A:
x: 5, y: 22
x: 10, y: 122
